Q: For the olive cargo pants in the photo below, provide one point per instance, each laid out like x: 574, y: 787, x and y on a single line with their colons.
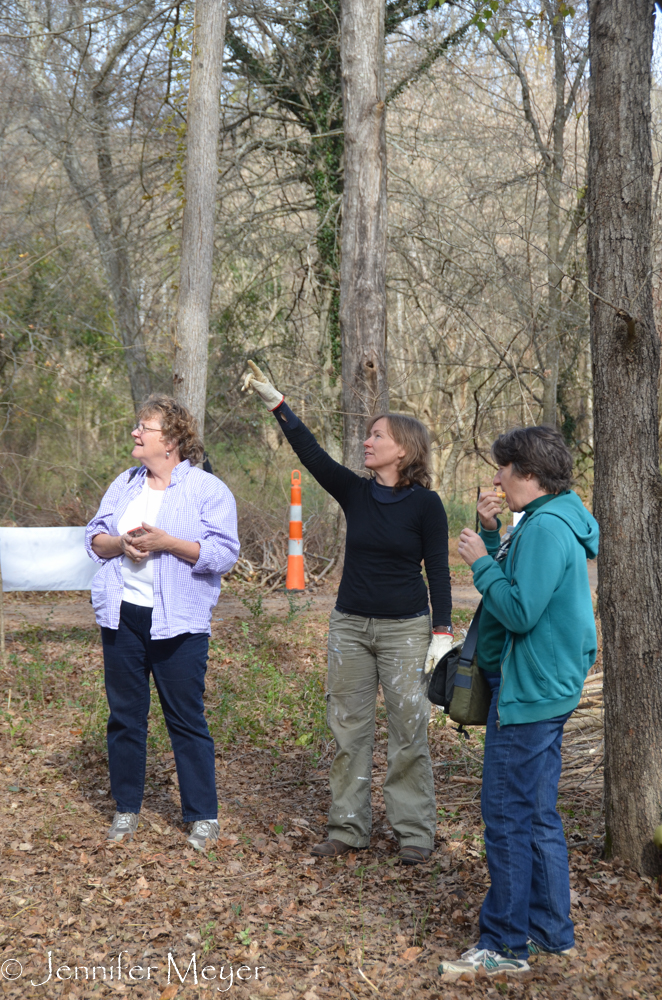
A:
x: 364, y: 652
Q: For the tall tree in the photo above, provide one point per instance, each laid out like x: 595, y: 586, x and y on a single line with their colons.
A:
x: 196, y: 272
x: 363, y: 256
x: 626, y: 364
x: 291, y: 63
x: 75, y: 76
x: 569, y: 63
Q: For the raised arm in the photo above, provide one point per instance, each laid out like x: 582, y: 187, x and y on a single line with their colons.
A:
x: 335, y: 478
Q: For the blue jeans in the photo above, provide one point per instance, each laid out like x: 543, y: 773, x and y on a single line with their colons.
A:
x: 524, y: 841
x: 178, y: 666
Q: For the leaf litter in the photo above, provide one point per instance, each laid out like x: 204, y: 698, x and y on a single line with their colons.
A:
x: 357, y: 926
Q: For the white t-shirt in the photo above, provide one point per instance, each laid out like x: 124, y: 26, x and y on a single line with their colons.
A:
x: 139, y: 577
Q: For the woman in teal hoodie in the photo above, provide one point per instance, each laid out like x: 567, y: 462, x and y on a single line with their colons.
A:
x: 536, y: 642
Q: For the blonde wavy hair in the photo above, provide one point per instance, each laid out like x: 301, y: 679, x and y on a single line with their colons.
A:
x: 178, y: 425
x: 413, y: 436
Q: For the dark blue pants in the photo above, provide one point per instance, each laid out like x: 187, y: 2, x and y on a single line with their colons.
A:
x: 178, y: 666
x: 524, y: 841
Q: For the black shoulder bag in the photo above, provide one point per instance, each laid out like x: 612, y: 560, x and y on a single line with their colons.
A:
x: 458, y: 686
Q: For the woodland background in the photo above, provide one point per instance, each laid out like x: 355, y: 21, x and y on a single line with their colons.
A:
x: 92, y: 147
x: 487, y: 327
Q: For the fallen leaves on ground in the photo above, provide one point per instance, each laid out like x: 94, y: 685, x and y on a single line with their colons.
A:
x: 185, y: 924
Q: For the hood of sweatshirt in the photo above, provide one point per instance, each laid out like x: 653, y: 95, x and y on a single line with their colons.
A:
x: 569, y: 508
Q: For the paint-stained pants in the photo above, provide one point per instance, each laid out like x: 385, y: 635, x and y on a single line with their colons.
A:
x: 364, y: 652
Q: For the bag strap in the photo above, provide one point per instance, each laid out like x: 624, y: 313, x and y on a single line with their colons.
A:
x: 469, y: 645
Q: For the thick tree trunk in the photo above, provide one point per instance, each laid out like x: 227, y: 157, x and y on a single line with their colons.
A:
x: 363, y: 253
x: 626, y: 360
x: 195, y: 283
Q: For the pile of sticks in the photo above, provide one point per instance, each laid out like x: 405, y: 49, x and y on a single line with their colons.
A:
x: 582, y: 754
x: 264, y: 575
x: 583, y: 745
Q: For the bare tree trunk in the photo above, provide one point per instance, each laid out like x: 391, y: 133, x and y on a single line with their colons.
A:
x: 553, y: 180
x: 363, y: 254
x: 626, y: 361
x: 195, y: 283
x: 329, y: 386
x: 117, y: 259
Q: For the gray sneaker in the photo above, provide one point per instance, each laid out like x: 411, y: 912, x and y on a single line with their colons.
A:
x: 123, y: 827
x: 203, y: 830
x: 491, y: 962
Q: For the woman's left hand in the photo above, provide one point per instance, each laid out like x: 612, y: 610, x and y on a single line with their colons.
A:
x: 154, y: 540
x: 471, y: 546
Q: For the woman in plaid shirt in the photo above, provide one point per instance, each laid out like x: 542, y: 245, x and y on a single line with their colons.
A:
x: 164, y: 534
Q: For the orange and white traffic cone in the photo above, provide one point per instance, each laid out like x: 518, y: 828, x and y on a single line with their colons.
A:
x: 295, y: 579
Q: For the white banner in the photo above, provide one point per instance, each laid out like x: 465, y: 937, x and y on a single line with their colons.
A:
x: 45, y: 559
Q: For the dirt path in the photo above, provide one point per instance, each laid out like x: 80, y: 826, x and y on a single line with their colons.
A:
x: 74, y: 609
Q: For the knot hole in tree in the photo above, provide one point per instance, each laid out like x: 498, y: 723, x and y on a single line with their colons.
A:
x: 370, y: 379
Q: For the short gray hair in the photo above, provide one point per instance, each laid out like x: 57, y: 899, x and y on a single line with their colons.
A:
x: 537, y: 451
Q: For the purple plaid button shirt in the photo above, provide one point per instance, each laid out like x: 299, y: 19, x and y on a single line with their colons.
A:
x: 196, y: 507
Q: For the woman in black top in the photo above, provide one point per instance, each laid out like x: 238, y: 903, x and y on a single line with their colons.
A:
x: 380, y: 628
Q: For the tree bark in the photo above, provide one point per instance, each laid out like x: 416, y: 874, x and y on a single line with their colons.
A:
x: 363, y: 247
x: 626, y: 361
x: 117, y: 259
x: 553, y: 181
x: 196, y: 276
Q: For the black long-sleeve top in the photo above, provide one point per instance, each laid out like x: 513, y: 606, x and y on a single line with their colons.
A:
x: 388, y: 535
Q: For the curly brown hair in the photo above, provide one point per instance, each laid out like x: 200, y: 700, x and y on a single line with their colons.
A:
x: 178, y: 425
x: 413, y: 436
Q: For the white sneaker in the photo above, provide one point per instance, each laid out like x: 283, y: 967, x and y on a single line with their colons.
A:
x: 124, y: 826
x: 490, y: 961
x: 203, y: 830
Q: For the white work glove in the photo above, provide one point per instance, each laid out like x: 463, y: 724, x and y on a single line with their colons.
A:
x: 258, y: 381
x: 442, y: 643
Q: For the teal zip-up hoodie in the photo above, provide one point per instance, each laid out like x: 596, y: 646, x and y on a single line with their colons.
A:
x: 543, y: 597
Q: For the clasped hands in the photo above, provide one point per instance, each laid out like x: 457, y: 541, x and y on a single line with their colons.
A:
x: 138, y: 548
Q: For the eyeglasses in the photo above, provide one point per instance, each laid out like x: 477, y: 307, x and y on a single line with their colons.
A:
x: 142, y: 429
